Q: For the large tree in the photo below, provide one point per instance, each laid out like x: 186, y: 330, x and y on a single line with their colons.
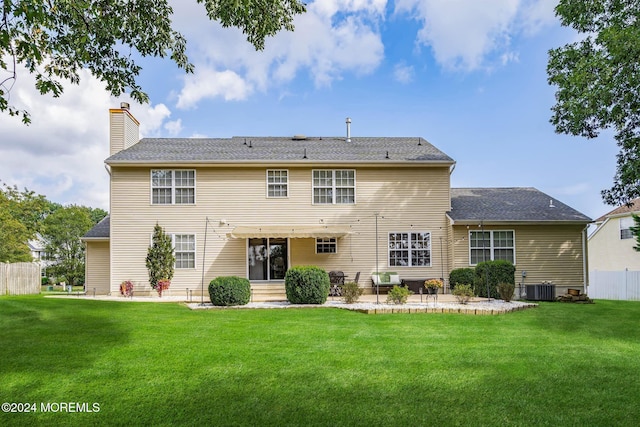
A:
x: 598, y: 83
x: 21, y: 217
x: 55, y: 39
x: 62, y: 232
x: 13, y: 239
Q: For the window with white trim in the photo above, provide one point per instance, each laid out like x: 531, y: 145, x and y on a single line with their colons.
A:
x: 492, y: 245
x: 334, y: 186
x: 625, y: 227
x: 173, y: 187
x: 327, y: 245
x: 184, y: 250
x: 277, y: 183
x: 410, y: 249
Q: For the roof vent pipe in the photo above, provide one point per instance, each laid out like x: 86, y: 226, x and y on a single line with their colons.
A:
x: 124, y: 106
x: 348, y: 129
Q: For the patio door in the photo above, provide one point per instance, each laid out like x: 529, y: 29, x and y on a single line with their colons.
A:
x: 267, y: 259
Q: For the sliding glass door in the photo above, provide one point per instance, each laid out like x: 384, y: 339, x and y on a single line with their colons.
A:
x: 267, y: 259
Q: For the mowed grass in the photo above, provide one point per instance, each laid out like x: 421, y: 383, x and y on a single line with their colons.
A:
x: 163, y: 364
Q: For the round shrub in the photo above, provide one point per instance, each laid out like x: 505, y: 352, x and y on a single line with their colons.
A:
x: 229, y: 290
x: 306, y: 285
x: 351, y: 292
x: 461, y: 276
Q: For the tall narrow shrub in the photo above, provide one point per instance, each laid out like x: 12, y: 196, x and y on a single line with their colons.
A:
x: 160, y: 259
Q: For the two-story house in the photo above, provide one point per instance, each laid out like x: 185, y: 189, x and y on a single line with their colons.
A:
x: 255, y: 206
x: 611, y: 243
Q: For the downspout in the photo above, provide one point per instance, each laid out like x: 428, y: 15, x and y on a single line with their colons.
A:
x: 585, y: 266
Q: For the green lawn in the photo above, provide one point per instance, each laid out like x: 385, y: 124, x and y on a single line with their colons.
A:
x: 162, y: 364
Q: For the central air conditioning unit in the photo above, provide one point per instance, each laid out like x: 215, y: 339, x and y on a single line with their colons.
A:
x: 541, y: 292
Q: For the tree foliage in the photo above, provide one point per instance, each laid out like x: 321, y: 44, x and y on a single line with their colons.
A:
x: 598, y: 83
x: 635, y: 230
x: 62, y: 232
x: 13, y: 238
x: 160, y: 258
x: 21, y: 218
x: 27, y: 207
x: 54, y: 40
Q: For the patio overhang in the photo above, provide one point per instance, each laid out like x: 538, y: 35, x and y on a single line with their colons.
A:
x: 291, y: 231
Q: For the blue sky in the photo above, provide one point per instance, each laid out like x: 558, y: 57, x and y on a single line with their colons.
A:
x: 467, y: 75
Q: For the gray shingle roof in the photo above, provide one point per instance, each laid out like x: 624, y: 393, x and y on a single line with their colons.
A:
x: 100, y: 230
x: 510, y: 205
x: 280, y: 149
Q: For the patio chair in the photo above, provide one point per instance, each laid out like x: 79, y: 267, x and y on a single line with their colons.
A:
x: 336, y: 279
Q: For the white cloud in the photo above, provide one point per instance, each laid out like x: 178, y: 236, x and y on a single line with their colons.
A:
x: 208, y: 83
x: 61, y: 154
x: 173, y: 127
x: 403, y: 73
x: 332, y: 38
x: 473, y: 34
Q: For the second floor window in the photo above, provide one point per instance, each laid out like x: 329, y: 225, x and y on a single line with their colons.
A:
x: 334, y: 187
x: 277, y: 183
x: 173, y: 187
x: 625, y: 227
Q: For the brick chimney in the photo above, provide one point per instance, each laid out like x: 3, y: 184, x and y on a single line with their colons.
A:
x: 124, y: 129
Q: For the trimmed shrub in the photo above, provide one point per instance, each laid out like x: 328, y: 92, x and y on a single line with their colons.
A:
x: 398, y: 294
x: 506, y: 291
x: 229, y: 290
x: 351, y: 292
x: 307, y: 285
x: 461, y: 276
x: 499, y: 271
x: 463, y: 293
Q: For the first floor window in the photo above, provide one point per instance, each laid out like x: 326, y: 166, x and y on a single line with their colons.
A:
x: 491, y: 245
x: 410, y: 249
x: 185, y: 250
x: 326, y: 246
x: 170, y: 187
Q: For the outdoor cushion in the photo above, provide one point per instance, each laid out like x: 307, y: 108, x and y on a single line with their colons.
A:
x: 384, y: 277
x: 394, y: 278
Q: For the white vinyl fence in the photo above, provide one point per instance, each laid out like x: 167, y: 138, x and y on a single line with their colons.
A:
x: 618, y: 285
x: 20, y: 278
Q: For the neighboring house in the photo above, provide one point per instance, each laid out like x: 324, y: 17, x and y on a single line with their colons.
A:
x: 255, y: 206
x: 39, y: 254
x: 611, y: 243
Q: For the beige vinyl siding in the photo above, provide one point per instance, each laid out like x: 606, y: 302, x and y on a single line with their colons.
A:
x: 97, y: 267
x: 116, y: 131
x: 545, y: 252
x: 407, y: 199
x: 123, y: 130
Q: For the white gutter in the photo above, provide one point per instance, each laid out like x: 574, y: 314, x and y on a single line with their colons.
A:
x: 585, y: 266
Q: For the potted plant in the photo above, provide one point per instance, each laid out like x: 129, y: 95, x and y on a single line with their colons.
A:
x: 126, y: 288
x: 433, y: 285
